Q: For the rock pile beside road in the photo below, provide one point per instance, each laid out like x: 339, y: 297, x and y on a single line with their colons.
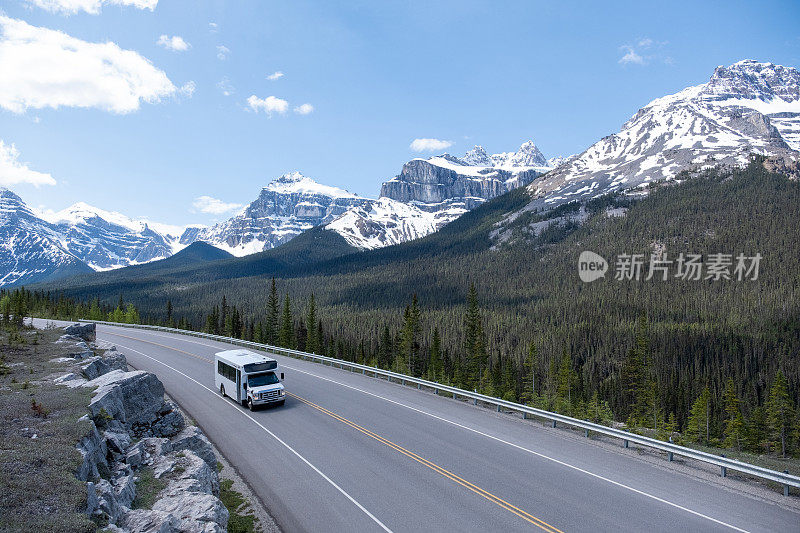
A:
x: 146, y: 469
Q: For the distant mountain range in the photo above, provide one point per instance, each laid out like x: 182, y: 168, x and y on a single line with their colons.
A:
x: 426, y: 195
x: 748, y: 107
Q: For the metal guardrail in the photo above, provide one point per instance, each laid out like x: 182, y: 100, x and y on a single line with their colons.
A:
x: 671, y: 449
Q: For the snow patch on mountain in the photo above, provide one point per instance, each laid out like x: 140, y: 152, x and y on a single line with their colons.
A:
x: 286, y: 207
x: 749, y: 107
x: 382, y: 222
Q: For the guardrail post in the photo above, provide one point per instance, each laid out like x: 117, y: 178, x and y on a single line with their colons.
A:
x: 498, y: 407
x: 419, y: 386
x: 524, y: 415
x: 436, y: 392
x: 722, y: 470
x: 554, y: 423
x: 669, y: 456
x: 474, y: 401
x: 586, y: 434
x: 625, y: 443
x: 786, y: 487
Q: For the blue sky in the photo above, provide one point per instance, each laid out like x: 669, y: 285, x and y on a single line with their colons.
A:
x: 378, y: 75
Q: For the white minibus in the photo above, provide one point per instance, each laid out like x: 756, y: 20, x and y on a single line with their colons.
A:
x: 249, y: 378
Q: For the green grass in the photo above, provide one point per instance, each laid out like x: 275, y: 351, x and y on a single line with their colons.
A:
x: 147, y: 488
x: 38, y: 487
x: 237, y: 506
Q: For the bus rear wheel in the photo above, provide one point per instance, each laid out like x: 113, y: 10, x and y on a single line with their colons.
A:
x: 222, y: 390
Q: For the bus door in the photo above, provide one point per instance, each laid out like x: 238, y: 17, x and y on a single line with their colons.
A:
x: 238, y: 386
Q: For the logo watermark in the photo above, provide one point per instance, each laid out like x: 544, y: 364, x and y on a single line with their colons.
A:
x: 591, y: 266
x: 694, y: 267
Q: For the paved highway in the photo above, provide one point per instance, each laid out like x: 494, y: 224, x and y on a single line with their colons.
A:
x: 352, y: 453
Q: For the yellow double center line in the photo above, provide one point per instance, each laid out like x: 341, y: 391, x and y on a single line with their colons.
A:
x: 433, y: 466
x: 436, y: 468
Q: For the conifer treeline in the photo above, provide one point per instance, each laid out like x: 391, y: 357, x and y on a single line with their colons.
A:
x: 561, y: 385
x: 645, y: 351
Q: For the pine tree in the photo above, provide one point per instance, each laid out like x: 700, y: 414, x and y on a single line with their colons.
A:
x: 635, y: 376
x: 271, y: 327
x: 509, y: 380
x: 410, y: 359
x: 435, y: 359
x: 734, y: 424
x: 477, y: 357
x: 286, y: 334
x: 565, y: 383
x: 385, y: 349
x: 312, y: 344
x: 698, y: 427
x: 170, y: 322
x: 528, y: 376
x: 223, y: 316
x: 780, y: 412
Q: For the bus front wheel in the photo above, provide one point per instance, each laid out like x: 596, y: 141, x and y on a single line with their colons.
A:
x: 250, y: 405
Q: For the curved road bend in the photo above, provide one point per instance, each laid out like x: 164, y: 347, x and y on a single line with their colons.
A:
x: 351, y: 453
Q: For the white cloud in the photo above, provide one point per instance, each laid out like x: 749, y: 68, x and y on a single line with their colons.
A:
x: 269, y: 105
x: 429, y: 145
x: 226, y: 86
x: 41, y: 68
x: 207, y: 204
x: 70, y: 7
x: 630, y: 56
x: 223, y: 52
x: 188, y: 89
x: 275, y: 75
x: 174, y: 43
x: 15, y: 172
x: 647, y: 42
x: 213, y: 27
x: 304, y: 109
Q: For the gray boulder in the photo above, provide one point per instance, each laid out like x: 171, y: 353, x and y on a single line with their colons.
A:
x: 170, y: 423
x: 191, y: 438
x: 150, y: 521
x: 87, y: 332
x: 193, y: 509
x: 93, y: 452
x: 117, y: 443
x: 107, y: 501
x: 103, y: 365
x: 134, y: 398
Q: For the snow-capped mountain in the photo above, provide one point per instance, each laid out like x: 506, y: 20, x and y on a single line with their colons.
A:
x: 31, y: 249
x: 456, y: 185
x: 429, y: 193
x: 105, y: 240
x: 381, y: 222
x: 746, y: 108
x: 286, y: 207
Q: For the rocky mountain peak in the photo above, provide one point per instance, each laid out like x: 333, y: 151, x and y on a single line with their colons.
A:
x: 749, y: 79
x: 528, y: 155
x: 297, y: 183
x: 477, y: 157
x: 10, y: 203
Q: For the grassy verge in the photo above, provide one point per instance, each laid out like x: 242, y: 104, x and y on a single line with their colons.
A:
x: 39, y: 429
x: 241, y: 518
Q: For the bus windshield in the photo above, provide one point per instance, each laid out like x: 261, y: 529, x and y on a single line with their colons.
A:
x: 259, y: 380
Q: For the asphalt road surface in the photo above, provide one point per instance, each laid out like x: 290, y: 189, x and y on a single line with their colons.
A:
x: 352, y: 453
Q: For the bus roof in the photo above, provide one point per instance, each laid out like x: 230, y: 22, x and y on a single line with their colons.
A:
x: 243, y: 357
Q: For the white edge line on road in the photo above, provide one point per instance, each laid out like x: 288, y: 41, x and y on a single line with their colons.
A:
x: 273, y: 435
x: 498, y: 439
